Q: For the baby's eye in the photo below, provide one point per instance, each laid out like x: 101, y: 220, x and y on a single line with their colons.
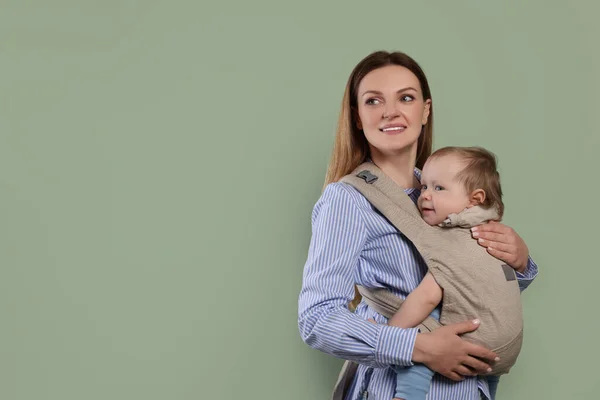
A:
x: 438, y: 188
x: 424, y: 187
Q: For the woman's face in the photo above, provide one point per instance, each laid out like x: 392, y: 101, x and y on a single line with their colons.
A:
x: 391, y: 109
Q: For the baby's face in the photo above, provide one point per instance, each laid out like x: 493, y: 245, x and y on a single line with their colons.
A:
x: 441, y: 194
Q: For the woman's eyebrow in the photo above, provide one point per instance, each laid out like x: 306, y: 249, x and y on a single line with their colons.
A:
x: 379, y: 93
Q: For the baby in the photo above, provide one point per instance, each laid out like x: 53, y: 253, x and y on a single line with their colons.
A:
x: 460, y: 188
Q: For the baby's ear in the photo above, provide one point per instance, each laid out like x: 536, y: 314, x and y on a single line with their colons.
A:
x: 477, y: 197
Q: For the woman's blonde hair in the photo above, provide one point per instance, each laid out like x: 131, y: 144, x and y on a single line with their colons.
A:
x: 351, y: 148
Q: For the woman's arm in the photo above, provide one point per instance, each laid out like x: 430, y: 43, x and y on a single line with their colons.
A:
x: 324, y: 321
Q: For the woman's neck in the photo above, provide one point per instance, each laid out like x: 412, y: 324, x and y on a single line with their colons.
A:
x: 399, y: 167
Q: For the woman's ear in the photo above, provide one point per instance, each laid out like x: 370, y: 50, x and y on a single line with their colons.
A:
x: 477, y: 197
x: 426, y: 112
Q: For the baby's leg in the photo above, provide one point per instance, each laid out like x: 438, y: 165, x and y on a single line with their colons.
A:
x: 414, y: 382
x: 493, y: 381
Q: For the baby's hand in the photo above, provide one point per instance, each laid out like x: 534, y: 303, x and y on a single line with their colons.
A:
x: 371, y: 320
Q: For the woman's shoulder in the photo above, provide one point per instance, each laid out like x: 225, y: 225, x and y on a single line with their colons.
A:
x: 344, y: 193
x: 341, y: 203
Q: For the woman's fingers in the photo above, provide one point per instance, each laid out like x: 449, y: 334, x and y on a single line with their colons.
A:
x: 464, y: 327
x: 509, y: 258
x: 480, y: 358
x: 507, y: 248
x: 477, y: 365
x: 464, y: 371
x: 493, y: 227
x: 455, y: 377
x: 492, y: 237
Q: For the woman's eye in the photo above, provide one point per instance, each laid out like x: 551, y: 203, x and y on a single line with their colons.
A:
x: 407, y: 98
x: 372, y: 102
x: 438, y: 188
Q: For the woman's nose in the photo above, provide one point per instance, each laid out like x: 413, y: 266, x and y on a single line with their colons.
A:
x: 391, y: 111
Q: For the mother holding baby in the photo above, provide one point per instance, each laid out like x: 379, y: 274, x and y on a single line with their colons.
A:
x: 387, y: 119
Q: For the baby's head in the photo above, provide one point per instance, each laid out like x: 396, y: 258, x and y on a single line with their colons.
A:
x: 455, y: 178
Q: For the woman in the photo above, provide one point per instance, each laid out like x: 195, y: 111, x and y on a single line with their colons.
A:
x: 387, y: 118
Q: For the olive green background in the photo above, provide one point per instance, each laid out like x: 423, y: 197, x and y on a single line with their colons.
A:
x: 159, y: 161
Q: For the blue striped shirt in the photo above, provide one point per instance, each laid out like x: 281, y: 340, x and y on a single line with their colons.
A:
x: 352, y: 243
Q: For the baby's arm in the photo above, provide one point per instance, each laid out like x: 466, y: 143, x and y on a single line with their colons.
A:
x: 419, y: 304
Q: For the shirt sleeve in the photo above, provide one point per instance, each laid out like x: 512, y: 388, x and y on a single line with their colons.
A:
x: 324, y: 320
x: 528, y: 275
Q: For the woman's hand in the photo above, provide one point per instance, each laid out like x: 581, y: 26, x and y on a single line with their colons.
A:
x: 503, y: 243
x: 443, y: 351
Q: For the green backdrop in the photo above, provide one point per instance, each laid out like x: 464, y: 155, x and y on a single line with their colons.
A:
x: 159, y: 161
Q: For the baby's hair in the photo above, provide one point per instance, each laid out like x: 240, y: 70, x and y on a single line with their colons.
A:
x: 480, y: 172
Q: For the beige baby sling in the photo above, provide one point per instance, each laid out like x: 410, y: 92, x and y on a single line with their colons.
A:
x: 475, y: 284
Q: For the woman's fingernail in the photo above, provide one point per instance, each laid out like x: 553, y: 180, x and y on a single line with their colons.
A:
x: 489, y: 370
x: 481, y: 240
x: 497, y: 359
x: 476, y: 321
x: 475, y: 234
x: 474, y: 229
